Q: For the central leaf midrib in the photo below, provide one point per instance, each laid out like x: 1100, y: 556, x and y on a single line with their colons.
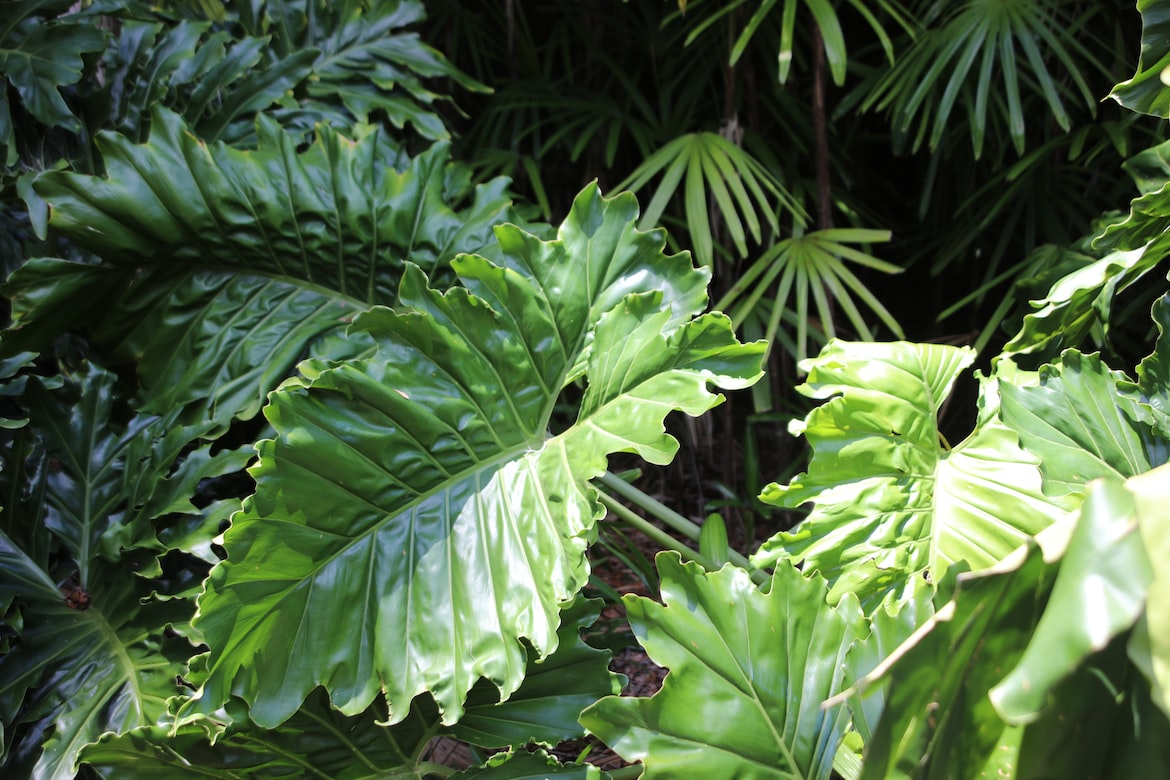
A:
x: 513, y: 453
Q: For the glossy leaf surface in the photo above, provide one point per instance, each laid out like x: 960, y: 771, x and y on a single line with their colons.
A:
x: 319, y: 741
x: 1099, y: 593
x: 1147, y: 91
x: 1080, y: 425
x: 1025, y: 670
x: 94, y: 652
x: 748, y: 674
x: 413, y: 520
x: 226, y: 264
x: 891, y: 501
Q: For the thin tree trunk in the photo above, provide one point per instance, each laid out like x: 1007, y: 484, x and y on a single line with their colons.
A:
x: 821, y: 131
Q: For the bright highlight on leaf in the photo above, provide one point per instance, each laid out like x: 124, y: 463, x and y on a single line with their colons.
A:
x: 748, y: 673
x: 891, y: 500
x: 413, y: 519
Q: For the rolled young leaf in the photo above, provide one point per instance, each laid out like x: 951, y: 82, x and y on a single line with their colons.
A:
x: 413, y: 520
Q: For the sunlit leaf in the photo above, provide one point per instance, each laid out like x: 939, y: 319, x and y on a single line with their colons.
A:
x: 748, y: 673
x: 892, y: 502
x: 413, y: 519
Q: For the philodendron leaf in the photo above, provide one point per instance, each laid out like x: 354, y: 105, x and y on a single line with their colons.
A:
x: 891, y: 500
x: 414, y: 520
x: 938, y: 721
x: 545, y: 707
x: 1152, y: 389
x: 320, y: 741
x: 1147, y: 91
x: 108, y: 481
x: 1025, y: 666
x: 1149, y: 648
x: 530, y: 766
x: 1081, y: 425
x: 1099, y: 592
x: 224, y: 265
x: 89, y: 661
x: 39, y: 55
x: 1080, y: 304
x: 99, y: 649
x: 748, y: 673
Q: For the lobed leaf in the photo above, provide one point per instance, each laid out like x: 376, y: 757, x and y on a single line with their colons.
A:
x: 1080, y: 424
x: 219, y: 293
x: 319, y: 741
x: 78, y: 673
x: 413, y: 520
x: 99, y: 648
x: 1024, y: 671
x: 891, y: 502
x: 1079, y: 304
x: 748, y: 673
x: 38, y: 56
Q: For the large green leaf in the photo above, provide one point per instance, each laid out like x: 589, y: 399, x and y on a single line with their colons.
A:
x: 1099, y: 592
x: 367, y: 60
x: 1024, y: 672
x: 1079, y: 305
x: 1081, y: 425
x: 39, y: 54
x: 319, y: 741
x: 1152, y: 389
x: 1149, y: 647
x: 225, y: 265
x: 1147, y: 90
x: 94, y: 651
x: 216, y: 81
x: 530, y: 766
x: 892, y: 501
x: 108, y: 481
x: 748, y: 673
x: 413, y: 520
x: 80, y: 672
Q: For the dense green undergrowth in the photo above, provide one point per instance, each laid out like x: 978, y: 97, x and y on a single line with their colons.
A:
x: 426, y: 386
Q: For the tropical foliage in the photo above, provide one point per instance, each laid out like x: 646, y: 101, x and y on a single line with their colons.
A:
x: 310, y: 401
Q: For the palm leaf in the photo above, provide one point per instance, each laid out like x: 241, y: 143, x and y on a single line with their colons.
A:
x: 710, y: 167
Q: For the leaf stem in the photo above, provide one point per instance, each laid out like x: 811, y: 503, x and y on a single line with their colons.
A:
x: 672, y: 519
x: 634, y: 520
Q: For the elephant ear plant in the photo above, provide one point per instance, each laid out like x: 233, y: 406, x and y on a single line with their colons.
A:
x: 417, y: 536
x: 414, y: 518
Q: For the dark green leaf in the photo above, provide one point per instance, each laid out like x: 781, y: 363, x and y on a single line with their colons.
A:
x: 276, y: 250
x: 318, y: 741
